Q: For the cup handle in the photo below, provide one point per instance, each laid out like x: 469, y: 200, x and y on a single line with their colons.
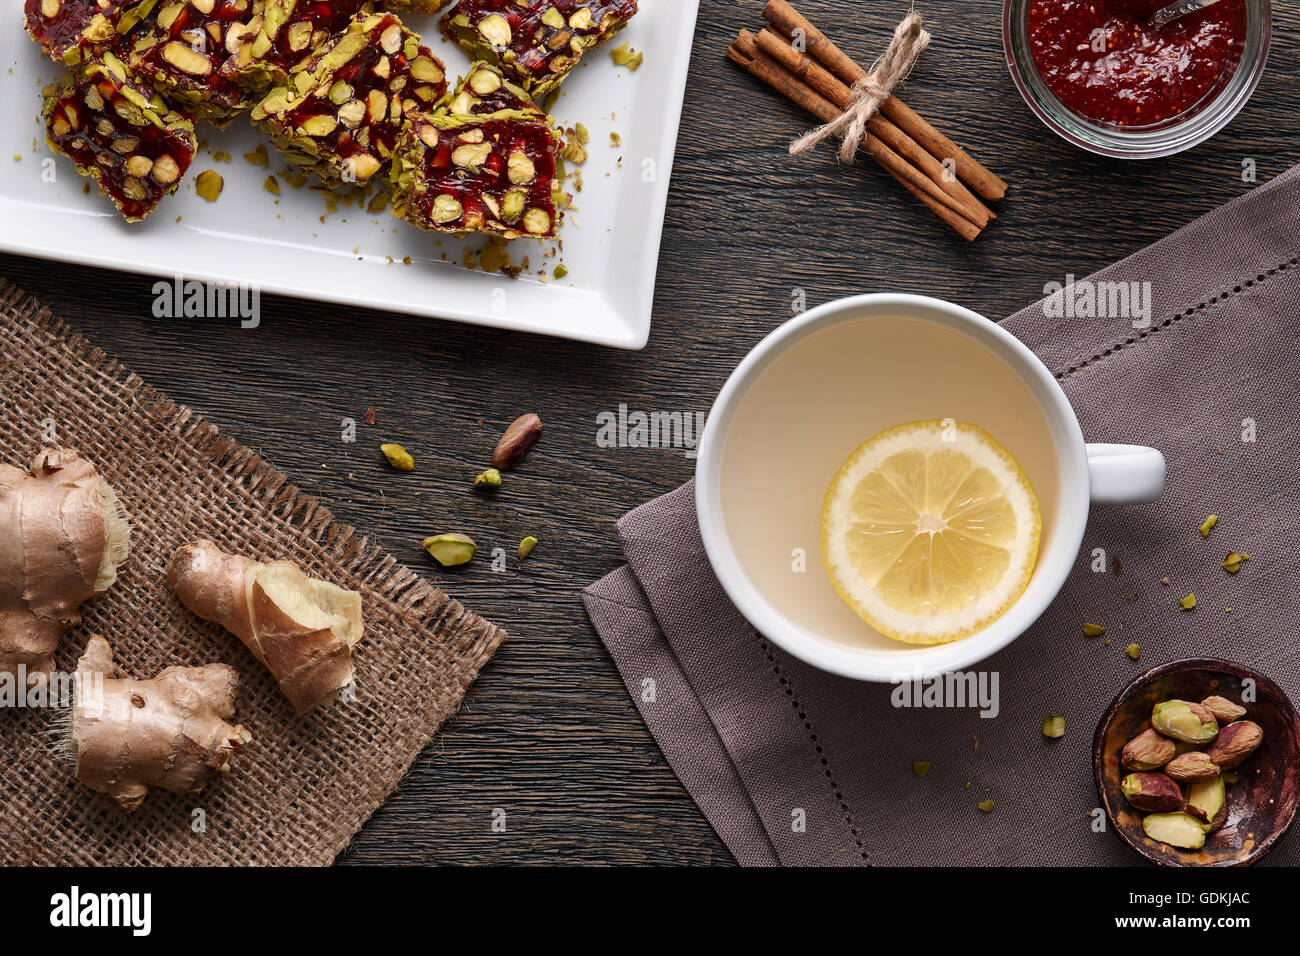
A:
x: 1125, y: 474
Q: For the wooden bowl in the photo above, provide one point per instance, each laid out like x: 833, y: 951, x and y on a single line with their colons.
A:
x: 1261, y: 805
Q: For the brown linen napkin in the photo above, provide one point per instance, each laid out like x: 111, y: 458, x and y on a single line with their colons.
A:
x: 305, y: 785
x: 790, y: 763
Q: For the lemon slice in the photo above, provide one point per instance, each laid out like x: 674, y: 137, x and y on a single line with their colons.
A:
x: 930, y: 531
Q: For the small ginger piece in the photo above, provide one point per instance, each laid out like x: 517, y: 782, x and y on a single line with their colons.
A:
x: 63, y: 535
x: 171, y: 731
x: 301, y: 628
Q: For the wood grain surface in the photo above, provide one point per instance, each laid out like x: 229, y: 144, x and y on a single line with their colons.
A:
x: 548, y: 734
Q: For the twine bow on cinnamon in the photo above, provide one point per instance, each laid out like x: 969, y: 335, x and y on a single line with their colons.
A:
x: 871, y: 91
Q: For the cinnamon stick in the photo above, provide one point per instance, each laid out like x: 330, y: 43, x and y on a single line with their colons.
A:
x: 964, y: 227
x: 776, y: 75
x: 746, y: 54
x: 833, y: 89
x: 786, y: 20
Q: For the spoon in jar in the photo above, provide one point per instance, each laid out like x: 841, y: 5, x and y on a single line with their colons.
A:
x: 1167, y: 15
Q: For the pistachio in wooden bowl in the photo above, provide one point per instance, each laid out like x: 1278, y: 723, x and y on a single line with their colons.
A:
x: 1197, y: 763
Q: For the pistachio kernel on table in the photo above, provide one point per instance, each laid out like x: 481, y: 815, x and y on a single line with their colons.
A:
x: 450, y: 550
x: 526, y: 547
x: 398, y: 457
x: 517, y: 441
x: 1208, y: 525
x: 1093, y: 630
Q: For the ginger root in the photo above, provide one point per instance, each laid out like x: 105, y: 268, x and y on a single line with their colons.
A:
x: 301, y: 628
x: 63, y: 535
x: 169, y: 732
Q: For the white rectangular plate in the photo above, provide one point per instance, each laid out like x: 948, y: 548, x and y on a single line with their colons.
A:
x: 609, y: 242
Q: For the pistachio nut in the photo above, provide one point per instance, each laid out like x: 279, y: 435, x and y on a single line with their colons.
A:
x: 450, y: 550
x: 1176, y: 829
x: 398, y: 457
x: 1153, y: 792
x: 1224, y: 710
x: 1235, y: 743
x: 1185, y: 721
x: 1147, y: 751
x: 517, y: 440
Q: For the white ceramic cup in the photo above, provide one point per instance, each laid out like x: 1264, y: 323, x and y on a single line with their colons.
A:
x: 826, y: 381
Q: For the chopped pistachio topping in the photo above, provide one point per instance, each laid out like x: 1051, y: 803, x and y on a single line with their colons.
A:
x: 209, y: 184
x: 260, y: 156
x: 626, y: 56
x: 1233, y: 562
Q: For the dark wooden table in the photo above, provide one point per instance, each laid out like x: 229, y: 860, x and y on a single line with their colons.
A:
x: 548, y: 733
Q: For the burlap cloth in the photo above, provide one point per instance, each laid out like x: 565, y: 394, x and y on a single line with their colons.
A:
x: 305, y: 785
x: 795, y: 766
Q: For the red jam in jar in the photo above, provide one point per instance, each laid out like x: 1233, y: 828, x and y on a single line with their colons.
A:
x: 1102, y: 61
